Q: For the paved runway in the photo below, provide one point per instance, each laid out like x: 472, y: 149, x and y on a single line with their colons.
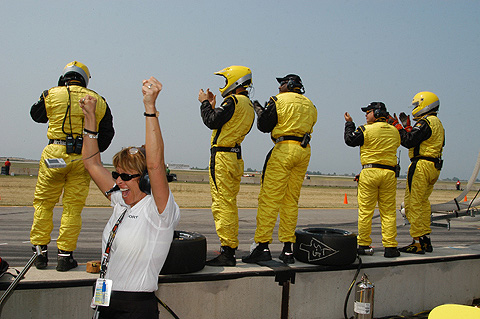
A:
x: 15, y: 223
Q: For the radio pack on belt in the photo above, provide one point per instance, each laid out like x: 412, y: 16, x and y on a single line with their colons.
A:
x: 305, y: 140
x: 74, y: 145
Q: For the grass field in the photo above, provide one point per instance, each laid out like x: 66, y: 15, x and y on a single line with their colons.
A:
x: 19, y: 190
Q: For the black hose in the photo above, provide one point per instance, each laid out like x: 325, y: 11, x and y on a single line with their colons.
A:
x: 351, y: 286
x: 164, y: 305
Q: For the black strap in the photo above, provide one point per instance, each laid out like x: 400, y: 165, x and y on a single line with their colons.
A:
x: 411, y: 171
x: 51, y: 141
x: 437, y: 161
x: 288, y: 138
x: 213, y: 151
x: 106, y: 258
x: 430, y: 159
x: 392, y: 168
x: 236, y: 149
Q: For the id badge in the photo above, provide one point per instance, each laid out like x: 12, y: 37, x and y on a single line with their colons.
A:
x: 103, y: 290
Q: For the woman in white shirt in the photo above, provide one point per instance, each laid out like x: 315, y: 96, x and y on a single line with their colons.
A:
x: 137, y: 238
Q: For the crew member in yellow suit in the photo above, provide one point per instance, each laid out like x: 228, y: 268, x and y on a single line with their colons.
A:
x: 230, y: 122
x: 59, y: 106
x: 378, y: 143
x: 289, y: 117
x: 425, y: 141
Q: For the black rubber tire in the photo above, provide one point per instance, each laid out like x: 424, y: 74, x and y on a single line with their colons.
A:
x: 325, y: 246
x: 188, y: 253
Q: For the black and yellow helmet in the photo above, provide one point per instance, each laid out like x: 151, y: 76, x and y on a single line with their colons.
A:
x: 235, y: 76
x: 78, y: 71
x: 424, y: 103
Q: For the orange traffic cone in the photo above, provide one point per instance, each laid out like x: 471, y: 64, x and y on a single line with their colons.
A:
x: 345, y: 201
x: 465, y: 198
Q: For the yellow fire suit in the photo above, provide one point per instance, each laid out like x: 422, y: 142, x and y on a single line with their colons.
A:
x: 230, y: 123
x: 290, y: 118
x: 60, y: 108
x: 378, y: 143
x: 425, y: 143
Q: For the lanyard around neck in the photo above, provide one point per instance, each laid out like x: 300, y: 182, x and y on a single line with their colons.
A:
x: 106, y: 256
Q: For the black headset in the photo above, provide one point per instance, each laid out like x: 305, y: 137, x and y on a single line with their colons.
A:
x: 292, y: 84
x: 144, y: 180
x: 144, y: 183
x: 379, y: 110
x: 378, y: 113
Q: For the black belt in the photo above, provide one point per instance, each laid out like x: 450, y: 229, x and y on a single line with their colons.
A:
x: 438, y: 162
x: 430, y: 159
x: 288, y: 138
x: 236, y: 149
x: 58, y: 142
x: 392, y: 168
x: 133, y: 295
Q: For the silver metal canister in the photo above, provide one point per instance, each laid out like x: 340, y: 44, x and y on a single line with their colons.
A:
x: 364, y: 291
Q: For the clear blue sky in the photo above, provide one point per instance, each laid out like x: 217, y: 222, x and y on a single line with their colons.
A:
x: 348, y: 54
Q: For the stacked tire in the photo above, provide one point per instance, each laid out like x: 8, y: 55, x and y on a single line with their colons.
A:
x: 187, y: 253
x: 325, y: 246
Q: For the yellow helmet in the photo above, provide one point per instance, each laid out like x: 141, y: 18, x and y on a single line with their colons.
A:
x: 424, y: 103
x: 78, y: 71
x: 235, y: 76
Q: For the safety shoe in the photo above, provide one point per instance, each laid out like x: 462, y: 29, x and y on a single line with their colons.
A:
x: 226, y: 258
x: 391, y: 252
x: 258, y: 254
x: 413, y: 248
x: 42, y: 260
x: 287, y: 257
x: 65, y: 260
x: 365, y: 250
x: 426, y: 244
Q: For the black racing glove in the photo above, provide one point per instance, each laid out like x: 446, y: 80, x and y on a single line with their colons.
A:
x: 258, y: 107
x: 405, y: 119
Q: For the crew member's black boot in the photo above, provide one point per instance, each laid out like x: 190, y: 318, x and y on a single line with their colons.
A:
x: 260, y: 253
x: 391, y: 252
x: 287, y: 255
x: 426, y: 243
x: 42, y: 260
x: 226, y: 258
x: 414, y: 248
x: 65, y: 260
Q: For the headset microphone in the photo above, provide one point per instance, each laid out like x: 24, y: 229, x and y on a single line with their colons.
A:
x: 111, y: 190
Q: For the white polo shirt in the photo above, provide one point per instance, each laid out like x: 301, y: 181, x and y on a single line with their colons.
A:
x: 141, y: 244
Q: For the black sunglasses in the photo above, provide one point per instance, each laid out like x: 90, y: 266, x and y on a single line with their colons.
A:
x: 124, y: 176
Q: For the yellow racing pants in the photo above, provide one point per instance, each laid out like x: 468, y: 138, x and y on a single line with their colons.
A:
x: 377, y: 185
x: 74, y: 181
x: 226, y: 170
x: 283, y: 175
x: 422, y: 175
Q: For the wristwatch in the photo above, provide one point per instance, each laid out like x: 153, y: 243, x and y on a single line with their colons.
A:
x: 156, y: 114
